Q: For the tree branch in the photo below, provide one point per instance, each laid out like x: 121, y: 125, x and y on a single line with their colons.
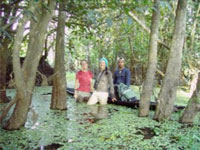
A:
x: 143, y: 25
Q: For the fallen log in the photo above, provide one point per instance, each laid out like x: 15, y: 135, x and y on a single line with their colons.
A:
x: 43, y: 76
x: 132, y: 103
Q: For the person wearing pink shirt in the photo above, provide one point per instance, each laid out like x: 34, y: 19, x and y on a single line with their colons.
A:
x: 83, y: 83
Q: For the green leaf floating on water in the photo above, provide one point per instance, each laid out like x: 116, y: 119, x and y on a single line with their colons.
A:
x: 117, y: 127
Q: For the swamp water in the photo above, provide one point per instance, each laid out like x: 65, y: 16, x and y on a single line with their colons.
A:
x: 88, y: 127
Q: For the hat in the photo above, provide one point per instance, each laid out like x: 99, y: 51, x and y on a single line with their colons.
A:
x: 105, y: 60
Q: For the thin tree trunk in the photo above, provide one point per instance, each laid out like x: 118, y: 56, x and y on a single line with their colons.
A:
x: 133, y: 59
x: 193, y: 106
x: 3, y: 65
x: 4, y: 50
x: 151, y: 69
x: 25, y: 76
x: 167, y: 95
x: 194, y: 28
x: 58, y: 100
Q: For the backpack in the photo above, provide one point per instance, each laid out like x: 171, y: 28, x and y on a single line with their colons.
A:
x: 125, y: 92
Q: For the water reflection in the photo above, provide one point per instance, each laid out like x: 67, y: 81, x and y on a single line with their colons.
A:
x: 99, y: 111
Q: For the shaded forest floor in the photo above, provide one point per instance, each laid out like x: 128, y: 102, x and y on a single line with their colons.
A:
x: 97, y: 127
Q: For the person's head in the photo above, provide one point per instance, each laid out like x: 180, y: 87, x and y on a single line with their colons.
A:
x: 121, y: 62
x: 103, y: 63
x: 84, y: 65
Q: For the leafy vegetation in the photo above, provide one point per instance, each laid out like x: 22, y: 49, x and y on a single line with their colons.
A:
x: 93, y: 29
x: 77, y: 128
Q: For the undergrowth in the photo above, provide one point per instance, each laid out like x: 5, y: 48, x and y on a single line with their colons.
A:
x: 85, y: 128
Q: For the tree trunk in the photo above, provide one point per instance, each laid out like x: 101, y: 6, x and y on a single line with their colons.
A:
x: 151, y: 69
x: 25, y: 76
x: 193, y: 105
x: 58, y: 100
x: 167, y: 95
x: 20, y: 93
x: 193, y: 83
x: 3, y: 65
x: 194, y: 28
x: 5, y: 15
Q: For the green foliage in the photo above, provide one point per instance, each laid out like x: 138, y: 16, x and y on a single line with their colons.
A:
x: 104, y: 28
x: 46, y: 6
x: 73, y: 129
x: 109, y: 22
x: 129, y: 21
x: 165, y: 4
x: 4, y: 32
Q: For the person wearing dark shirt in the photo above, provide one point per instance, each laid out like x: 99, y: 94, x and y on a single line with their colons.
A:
x: 122, y: 74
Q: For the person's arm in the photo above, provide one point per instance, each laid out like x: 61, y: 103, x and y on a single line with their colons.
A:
x: 76, y: 86
x: 91, y: 83
x: 91, y: 88
x: 111, y: 85
x: 128, y: 78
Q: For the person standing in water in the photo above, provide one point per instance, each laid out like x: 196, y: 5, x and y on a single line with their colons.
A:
x: 122, y: 74
x: 103, y: 85
x: 83, y: 83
